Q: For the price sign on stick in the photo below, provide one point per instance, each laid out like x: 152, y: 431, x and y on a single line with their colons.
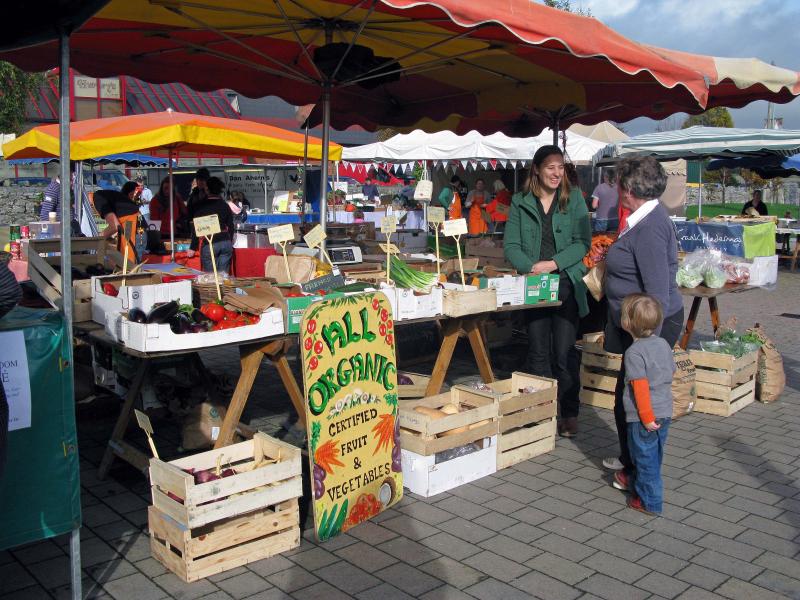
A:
x: 389, y: 248
x: 435, y: 217
x: 388, y: 225
x: 314, y: 238
x: 281, y: 234
x: 207, y: 227
x: 455, y: 228
x: 144, y: 423
x: 127, y: 236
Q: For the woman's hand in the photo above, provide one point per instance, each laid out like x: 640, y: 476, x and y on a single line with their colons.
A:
x: 190, y: 253
x: 544, y: 266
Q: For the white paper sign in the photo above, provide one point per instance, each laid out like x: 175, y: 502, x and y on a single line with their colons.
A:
x: 280, y: 233
x: 388, y: 225
x: 15, y: 378
x: 435, y: 214
x: 314, y: 237
x: 205, y: 226
x: 389, y: 248
x: 455, y: 227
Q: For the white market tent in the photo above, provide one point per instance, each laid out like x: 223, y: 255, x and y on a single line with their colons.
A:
x: 603, y: 132
x: 445, y: 147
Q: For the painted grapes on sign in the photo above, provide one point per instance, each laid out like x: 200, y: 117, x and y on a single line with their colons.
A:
x: 350, y: 381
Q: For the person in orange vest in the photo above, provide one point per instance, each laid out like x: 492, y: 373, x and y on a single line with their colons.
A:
x: 450, y: 199
x: 476, y: 200
x: 502, y: 197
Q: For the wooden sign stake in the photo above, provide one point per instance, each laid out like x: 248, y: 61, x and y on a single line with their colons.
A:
x: 460, y: 262
x: 147, y: 427
x: 388, y: 258
x: 285, y: 260
x: 126, y: 235
x: 438, y: 265
x: 210, y: 239
x: 455, y: 228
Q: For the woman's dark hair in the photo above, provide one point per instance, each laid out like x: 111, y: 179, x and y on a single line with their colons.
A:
x: 161, y: 192
x: 455, y: 179
x: 643, y: 176
x: 202, y: 173
x: 128, y: 187
x: 215, y: 185
x: 533, y: 184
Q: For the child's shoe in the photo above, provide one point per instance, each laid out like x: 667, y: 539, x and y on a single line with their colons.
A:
x: 635, y: 503
x: 621, y: 481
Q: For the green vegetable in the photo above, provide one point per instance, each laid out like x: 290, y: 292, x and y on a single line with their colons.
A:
x: 689, y: 276
x: 715, y: 277
x: 406, y: 277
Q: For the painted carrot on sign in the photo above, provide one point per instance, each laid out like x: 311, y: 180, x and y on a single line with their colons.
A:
x: 326, y: 456
x: 384, y: 432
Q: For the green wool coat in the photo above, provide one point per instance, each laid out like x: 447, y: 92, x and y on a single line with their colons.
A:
x: 571, y: 230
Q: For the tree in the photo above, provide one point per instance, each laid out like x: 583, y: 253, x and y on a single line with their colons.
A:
x: 15, y: 88
x: 567, y: 6
x: 713, y: 117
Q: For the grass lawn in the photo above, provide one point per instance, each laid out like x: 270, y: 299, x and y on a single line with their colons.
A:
x: 714, y: 210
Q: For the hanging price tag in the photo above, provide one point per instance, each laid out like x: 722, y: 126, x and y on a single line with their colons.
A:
x: 435, y: 214
x: 315, y: 237
x: 281, y: 234
x: 206, y: 226
x: 454, y: 227
x: 388, y: 225
x: 389, y: 248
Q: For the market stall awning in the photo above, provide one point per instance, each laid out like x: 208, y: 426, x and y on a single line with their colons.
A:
x: 511, y: 65
x: 703, y: 142
x: 767, y: 167
x: 158, y: 133
x: 131, y: 159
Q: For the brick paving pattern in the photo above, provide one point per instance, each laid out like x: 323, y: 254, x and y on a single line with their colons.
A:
x: 548, y: 528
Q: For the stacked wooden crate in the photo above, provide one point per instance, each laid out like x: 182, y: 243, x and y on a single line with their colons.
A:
x: 724, y: 384
x: 200, y: 529
x: 415, y: 389
x: 599, y: 370
x: 527, y: 417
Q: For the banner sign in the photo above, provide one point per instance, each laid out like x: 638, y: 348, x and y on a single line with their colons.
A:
x: 350, y: 380
x: 727, y: 238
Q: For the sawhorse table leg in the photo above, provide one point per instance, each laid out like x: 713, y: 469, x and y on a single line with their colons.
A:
x: 713, y: 307
x: 450, y: 332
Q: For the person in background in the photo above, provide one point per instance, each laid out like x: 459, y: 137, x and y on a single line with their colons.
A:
x: 649, y: 367
x: 199, y: 187
x: 358, y: 216
x: 643, y: 260
x: 120, y: 209
x: 238, y: 203
x: 407, y: 191
x: 476, y: 200
x: 755, y: 207
x: 371, y: 193
x: 548, y: 231
x: 10, y: 295
x: 213, y: 204
x: 604, y: 204
x: 52, y: 203
x: 143, y: 196
x: 502, y: 197
x: 159, y: 211
x: 450, y: 199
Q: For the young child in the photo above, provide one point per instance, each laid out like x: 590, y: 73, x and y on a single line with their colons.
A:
x: 649, y: 367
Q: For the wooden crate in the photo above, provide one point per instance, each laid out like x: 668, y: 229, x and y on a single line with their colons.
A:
x: 201, y: 529
x: 85, y: 252
x: 424, y: 435
x: 415, y: 390
x: 526, y: 421
x: 458, y: 303
x: 599, y: 371
x: 724, y: 384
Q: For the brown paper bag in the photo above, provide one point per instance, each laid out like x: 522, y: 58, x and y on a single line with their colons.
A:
x: 301, y: 267
x: 201, y: 426
x: 683, y: 384
x: 595, y: 280
x: 770, y: 377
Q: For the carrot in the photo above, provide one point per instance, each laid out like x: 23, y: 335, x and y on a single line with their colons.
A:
x: 384, y: 432
x: 326, y: 456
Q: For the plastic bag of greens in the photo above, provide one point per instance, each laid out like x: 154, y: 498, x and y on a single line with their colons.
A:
x: 714, y: 276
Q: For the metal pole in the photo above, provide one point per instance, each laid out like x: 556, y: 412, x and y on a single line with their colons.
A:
x: 326, y: 135
x: 171, y: 207
x: 555, y: 131
x: 78, y: 192
x: 700, y: 201
x: 66, y: 260
x: 305, y: 177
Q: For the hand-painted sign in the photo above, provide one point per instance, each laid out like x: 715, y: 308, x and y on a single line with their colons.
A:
x: 350, y: 382
x: 206, y: 226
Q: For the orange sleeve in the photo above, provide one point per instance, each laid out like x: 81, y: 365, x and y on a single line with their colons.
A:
x: 641, y: 395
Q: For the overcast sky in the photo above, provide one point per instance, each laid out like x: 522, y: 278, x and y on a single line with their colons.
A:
x: 764, y: 29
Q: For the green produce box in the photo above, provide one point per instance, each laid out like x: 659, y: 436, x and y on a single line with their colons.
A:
x: 541, y: 288
x: 296, y: 307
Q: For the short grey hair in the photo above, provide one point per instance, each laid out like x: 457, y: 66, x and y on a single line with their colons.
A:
x: 644, y: 177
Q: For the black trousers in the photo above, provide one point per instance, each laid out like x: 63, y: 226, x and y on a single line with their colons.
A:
x: 618, y: 340
x: 551, y: 347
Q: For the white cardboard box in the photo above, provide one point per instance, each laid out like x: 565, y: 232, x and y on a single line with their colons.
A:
x: 421, y: 474
x: 157, y: 337
x: 146, y: 291
x: 510, y: 289
x: 411, y: 306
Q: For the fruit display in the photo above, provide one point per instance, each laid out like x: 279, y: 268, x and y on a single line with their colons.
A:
x: 185, y: 318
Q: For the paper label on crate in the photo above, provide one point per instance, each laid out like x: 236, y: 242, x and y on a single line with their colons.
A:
x: 388, y: 225
x: 436, y: 214
x: 389, y: 248
x: 280, y: 233
x: 454, y: 227
x: 315, y: 237
x: 351, y: 404
x: 214, y: 433
x: 15, y: 379
x: 206, y: 226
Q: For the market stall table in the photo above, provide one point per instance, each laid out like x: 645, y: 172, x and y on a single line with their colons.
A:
x: 711, y: 294
x: 785, y: 235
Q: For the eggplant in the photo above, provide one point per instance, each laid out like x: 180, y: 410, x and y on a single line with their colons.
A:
x: 162, y: 312
x: 137, y: 315
x: 198, y: 328
x: 199, y: 317
x: 179, y: 324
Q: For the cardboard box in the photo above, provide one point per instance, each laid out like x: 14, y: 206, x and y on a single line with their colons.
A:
x: 423, y: 476
x: 406, y: 304
x: 155, y: 337
x: 541, y: 288
x: 140, y: 291
x: 408, y: 241
x: 510, y: 289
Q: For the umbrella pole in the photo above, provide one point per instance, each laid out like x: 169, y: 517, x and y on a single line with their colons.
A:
x: 326, y: 135
x: 700, y: 189
x: 305, y: 177
x: 171, y: 207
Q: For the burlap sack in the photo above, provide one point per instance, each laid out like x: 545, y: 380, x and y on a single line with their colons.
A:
x: 595, y: 280
x: 201, y: 426
x: 301, y: 267
x: 683, y: 384
x: 770, y: 377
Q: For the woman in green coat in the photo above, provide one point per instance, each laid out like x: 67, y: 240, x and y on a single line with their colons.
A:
x: 548, y: 231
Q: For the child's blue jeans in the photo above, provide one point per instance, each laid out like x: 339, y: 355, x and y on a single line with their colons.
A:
x: 647, y: 452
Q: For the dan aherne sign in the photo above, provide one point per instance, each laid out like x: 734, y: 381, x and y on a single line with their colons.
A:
x: 350, y: 382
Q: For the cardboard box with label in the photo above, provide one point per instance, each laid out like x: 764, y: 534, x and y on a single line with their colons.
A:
x: 140, y: 291
x: 510, y: 289
x: 541, y: 288
x: 408, y: 304
x: 422, y: 475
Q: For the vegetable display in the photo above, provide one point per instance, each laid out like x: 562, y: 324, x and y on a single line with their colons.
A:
x: 730, y: 342
x: 185, y: 318
x: 598, y: 250
x: 406, y: 277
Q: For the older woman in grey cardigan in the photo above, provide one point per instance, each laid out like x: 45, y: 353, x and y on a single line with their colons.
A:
x: 644, y: 259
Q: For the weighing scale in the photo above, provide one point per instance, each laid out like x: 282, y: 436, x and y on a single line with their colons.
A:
x: 343, y: 251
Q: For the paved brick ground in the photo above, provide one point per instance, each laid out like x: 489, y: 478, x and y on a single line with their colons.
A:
x: 548, y: 528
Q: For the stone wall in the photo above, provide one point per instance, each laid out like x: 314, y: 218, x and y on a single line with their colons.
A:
x: 20, y: 205
x: 789, y: 193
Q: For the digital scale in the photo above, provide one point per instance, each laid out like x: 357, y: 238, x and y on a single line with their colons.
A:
x: 343, y: 251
